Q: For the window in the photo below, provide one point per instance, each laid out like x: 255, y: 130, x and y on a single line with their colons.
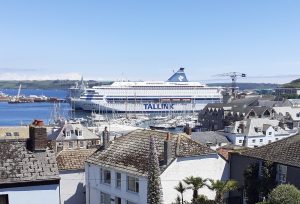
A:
x: 260, y: 140
x: 269, y: 141
x: 117, y: 200
x: 281, y: 173
x: 16, y: 134
x: 270, y: 133
x: 132, y: 184
x: 106, y: 176
x: 276, y: 139
x: 81, y: 143
x: 104, y: 198
x: 79, y: 133
x: 8, y: 134
x: 253, y: 141
x: 4, y: 199
x: 68, y: 134
x: 71, y: 145
x: 118, y: 180
x: 129, y: 202
x: 240, y: 141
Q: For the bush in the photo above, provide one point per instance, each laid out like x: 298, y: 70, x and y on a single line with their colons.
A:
x: 284, y: 194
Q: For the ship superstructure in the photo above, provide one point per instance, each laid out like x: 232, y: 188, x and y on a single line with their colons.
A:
x: 176, y: 94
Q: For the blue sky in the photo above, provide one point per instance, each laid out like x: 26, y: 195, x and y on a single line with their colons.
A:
x: 147, y: 40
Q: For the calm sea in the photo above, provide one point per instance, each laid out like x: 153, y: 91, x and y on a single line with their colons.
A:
x: 25, y: 113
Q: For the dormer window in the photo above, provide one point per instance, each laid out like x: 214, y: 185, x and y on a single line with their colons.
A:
x: 16, y: 134
x: 80, y: 133
x: 68, y: 134
x: 8, y: 134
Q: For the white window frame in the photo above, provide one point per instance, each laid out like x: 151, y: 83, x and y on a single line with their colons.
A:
x: 104, y: 180
x: 102, y: 198
x: 136, y: 187
x: 118, y: 180
x: 281, y: 173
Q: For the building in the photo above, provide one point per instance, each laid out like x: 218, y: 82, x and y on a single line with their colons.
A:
x: 16, y: 133
x: 285, y: 155
x: 212, y: 139
x: 219, y: 115
x: 71, y: 171
x: 73, y: 135
x: 256, y: 132
x: 117, y: 173
x: 287, y: 91
x: 28, y: 171
x: 289, y: 116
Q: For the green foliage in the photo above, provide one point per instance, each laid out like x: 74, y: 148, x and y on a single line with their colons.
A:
x: 181, y: 189
x: 251, y: 183
x: 154, y: 190
x: 259, y: 186
x: 195, y: 184
x: 222, y: 187
x: 284, y: 194
x: 268, y: 178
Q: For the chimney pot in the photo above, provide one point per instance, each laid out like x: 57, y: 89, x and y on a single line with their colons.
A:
x: 168, y: 136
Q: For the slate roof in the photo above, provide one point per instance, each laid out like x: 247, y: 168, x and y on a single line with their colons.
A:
x: 73, y: 159
x: 59, y: 135
x: 19, y: 165
x: 285, y: 151
x: 211, y: 137
x: 130, y: 152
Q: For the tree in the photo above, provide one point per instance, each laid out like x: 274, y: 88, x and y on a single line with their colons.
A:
x: 251, y: 183
x: 284, y: 194
x: 181, y: 189
x: 154, y: 193
x: 267, y: 179
x: 196, y: 183
x: 222, y: 187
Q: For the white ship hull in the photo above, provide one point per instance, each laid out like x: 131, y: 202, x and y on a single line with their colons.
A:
x: 103, y: 106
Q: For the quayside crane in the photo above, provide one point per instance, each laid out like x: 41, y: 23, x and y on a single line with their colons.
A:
x: 233, y: 76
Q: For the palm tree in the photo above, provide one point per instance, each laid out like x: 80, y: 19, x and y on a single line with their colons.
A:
x: 180, y: 188
x: 196, y: 183
x: 222, y: 187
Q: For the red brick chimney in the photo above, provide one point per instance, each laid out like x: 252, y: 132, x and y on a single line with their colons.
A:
x: 37, y: 136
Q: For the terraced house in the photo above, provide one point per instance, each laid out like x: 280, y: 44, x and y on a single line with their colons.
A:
x: 117, y: 173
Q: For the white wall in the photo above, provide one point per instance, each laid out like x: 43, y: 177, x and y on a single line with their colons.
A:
x: 209, y: 166
x: 45, y: 194
x: 94, y: 186
x: 72, y: 187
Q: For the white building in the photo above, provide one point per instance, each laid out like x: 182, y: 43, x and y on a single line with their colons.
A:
x: 28, y: 173
x: 256, y: 132
x: 71, y: 171
x: 118, y: 174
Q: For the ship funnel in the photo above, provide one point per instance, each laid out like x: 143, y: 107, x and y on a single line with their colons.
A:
x: 178, y: 76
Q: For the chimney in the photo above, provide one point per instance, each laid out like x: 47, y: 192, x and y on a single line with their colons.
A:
x: 187, y: 130
x: 167, y: 149
x: 105, y: 138
x: 37, y: 136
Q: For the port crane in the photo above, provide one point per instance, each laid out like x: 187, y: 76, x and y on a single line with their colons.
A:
x: 233, y: 76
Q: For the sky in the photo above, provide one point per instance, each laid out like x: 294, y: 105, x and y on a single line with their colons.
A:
x: 147, y: 40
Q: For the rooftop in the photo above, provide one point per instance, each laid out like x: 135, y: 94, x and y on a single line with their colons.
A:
x: 210, y: 137
x: 285, y: 151
x: 130, y: 152
x: 19, y: 165
x: 73, y: 159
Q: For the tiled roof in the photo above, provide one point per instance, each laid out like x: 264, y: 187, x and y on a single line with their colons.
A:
x: 285, y: 151
x: 130, y: 152
x: 59, y: 135
x: 226, y: 149
x: 19, y: 165
x: 73, y: 159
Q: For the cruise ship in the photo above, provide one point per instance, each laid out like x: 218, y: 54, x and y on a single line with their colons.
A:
x: 177, y: 94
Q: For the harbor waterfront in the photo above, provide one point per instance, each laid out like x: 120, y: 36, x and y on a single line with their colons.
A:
x: 23, y: 113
